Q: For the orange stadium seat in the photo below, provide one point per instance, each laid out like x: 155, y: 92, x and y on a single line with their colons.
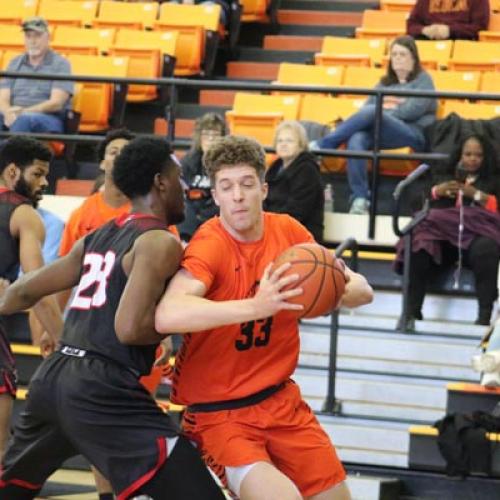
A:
x: 76, y: 13
x: 146, y: 52
x: 490, y: 83
x: 397, y: 5
x: 358, y: 77
x: 351, y: 52
x: 138, y: 15
x: 492, y: 34
x: 258, y: 115
x: 68, y: 36
x: 475, y: 56
x: 11, y: 38
x: 434, y: 54
x: 382, y: 24
x: 14, y: 11
x: 97, y: 102
x: 454, y: 81
x: 472, y: 111
x: 254, y: 10
x: 198, y: 35
x: 305, y: 74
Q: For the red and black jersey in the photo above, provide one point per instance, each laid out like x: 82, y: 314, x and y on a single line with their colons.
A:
x: 90, y: 321
x: 9, y: 246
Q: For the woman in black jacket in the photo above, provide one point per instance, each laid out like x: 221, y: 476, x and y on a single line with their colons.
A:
x: 294, y: 179
x: 466, y: 194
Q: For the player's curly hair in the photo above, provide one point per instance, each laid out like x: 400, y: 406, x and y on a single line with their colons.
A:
x: 232, y: 151
x: 112, y: 135
x: 22, y: 151
x: 138, y: 163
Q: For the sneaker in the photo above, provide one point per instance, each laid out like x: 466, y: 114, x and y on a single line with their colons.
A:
x: 487, y: 362
x: 359, y: 206
x: 491, y: 380
x: 313, y: 145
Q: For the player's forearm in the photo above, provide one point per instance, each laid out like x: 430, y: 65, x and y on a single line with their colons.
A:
x: 48, y: 312
x: 188, y: 313
x: 137, y: 329
x: 357, y: 291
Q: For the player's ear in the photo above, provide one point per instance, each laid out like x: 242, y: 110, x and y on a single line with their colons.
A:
x: 214, y: 196
x: 11, y: 175
x: 160, y: 182
x: 265, y: 190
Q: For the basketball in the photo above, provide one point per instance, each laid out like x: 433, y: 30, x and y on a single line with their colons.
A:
x: 321, y: 278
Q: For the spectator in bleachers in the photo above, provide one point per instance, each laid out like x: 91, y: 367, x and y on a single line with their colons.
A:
x: 403, y: 119
x: 35, y: 105
x: 468, y: 189
x: 225, y: 7
x: 294, y: 180
x: 199, y: 204
x: 448, y: 19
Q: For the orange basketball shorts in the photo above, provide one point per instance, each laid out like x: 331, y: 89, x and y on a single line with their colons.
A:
x: 282, y: 430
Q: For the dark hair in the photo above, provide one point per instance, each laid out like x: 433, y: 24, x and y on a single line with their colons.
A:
x: 138, y: 163
x: 112, y: 135
x: 489, y: 166
x: 23, y: 151
x: 209, y: 121
x: 390, y: 78
x: 232, y: 151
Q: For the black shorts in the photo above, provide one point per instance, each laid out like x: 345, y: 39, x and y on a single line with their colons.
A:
x: 89, y: 406
x: 8, y: 374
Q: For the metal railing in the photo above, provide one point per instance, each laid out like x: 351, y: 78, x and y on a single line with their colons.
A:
x: 170, y: 113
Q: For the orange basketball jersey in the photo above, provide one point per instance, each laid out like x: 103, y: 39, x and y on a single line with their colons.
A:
x: 237, y: 360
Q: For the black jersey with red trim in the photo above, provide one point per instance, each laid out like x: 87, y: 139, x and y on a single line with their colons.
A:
x: 9, y: 246
x: 90, y: 323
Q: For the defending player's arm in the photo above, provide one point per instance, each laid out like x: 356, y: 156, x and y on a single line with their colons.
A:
x: 45, y: 281
x: 183, y: 308
x: 153, y: 260
x: 357, y: 290
x: 27, y: 226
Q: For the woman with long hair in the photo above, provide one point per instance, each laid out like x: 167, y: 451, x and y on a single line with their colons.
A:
x: 403, y: 119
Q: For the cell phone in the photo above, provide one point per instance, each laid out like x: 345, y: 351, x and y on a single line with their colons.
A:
x: 461, y: 174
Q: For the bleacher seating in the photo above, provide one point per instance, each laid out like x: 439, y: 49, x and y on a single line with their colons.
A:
x: 492, y: 34
x: 397, y: 5
x: 11, y: 37
x: 303, y: 74
x: 359, y: 52
x: 382, y: 24
x: 99, y: 38
x: 14, y: 11
x: 76, y: 13
x: 471, y: 55
x: 138, y: 15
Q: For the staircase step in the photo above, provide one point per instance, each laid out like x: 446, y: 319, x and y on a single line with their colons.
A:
x: 315, y: 17
x: 376, y: 396
x: 467, y: 398
x: 333, y: 5
x: 281, y: 42
x: 217, y: 97
x: 366, y: 441
x: 252, y: 70
x: 373, y: 488
x: 315, y: 30
x: 424, y: 452
x: 279, y: 56
x: 361, y: 351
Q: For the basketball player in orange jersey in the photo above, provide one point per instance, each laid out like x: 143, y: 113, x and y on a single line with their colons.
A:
x: 243, y: 410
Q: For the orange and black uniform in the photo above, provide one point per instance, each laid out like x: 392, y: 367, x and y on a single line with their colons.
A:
x: 86, y: 398
x: 9, y: 270
x: 235, y: 379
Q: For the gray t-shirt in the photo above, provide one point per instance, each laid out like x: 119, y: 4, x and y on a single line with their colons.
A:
x: 26, y: 92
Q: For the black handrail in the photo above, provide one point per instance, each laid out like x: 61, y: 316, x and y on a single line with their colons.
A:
x: 331, y: 404
x: 379, y: 94
x: 407, y: 234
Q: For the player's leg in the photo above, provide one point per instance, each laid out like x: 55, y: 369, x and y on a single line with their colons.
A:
x: 263, y: 481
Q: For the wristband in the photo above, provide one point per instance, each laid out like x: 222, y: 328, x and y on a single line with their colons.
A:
x: 477, y: 196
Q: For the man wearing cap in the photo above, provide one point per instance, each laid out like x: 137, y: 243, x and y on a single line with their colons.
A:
x: 28, y: 105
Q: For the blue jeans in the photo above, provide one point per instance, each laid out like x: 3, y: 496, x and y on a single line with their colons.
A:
x: 357, y: 131
x: 36, y: 122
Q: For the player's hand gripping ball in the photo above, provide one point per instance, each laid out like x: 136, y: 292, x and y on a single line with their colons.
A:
x: 321, y: 277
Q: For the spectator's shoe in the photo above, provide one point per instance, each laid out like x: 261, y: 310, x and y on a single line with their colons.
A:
x: 487, y: 362
x: 491, y: 380
x: 409, y: 326
x: 314, y: 145
x: 359, y: 206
